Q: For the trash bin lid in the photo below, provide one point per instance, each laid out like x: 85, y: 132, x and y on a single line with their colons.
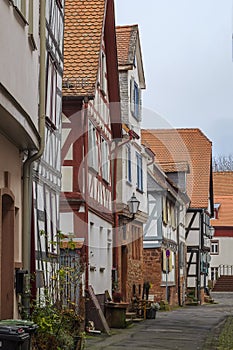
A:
x: 13, y: 333
x: 11, y: 330
x: 28, y: 326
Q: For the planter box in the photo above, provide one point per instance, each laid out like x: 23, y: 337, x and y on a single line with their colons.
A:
x: 116, y: 314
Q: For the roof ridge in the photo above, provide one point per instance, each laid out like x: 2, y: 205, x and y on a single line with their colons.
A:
x: 127, y: 26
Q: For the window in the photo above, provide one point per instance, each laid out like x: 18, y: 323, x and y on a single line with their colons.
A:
x: 139, y: 172
x: 21, y: 6
x: 92, y: 147
x: 214, y: 250
x: 165, y: 211
x: 103, y: 87
x: 216, y: 210
x: 51, y: 91
x: 31, y: 28
x: 105, y: 159
x: 135, y: 99
x: 128, y: 164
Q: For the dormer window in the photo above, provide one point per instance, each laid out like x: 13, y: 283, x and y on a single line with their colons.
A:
x: 216, y: 210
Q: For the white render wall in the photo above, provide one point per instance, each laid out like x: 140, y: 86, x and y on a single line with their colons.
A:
x: 225, y: 256
x: 193, y: 236
x: 19, y: 64
x: 100, y: 254
x: 126, y: 189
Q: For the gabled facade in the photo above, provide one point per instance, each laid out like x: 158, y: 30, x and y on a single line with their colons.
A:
x: 222, y: 241
x: 19, y: 135
x: 164, y: 239
x: 132, y: 165
x: 91, y: 129
x: 173, y: 146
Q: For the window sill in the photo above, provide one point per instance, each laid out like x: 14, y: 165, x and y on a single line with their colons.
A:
x: 137, y: 118
x: 32, y: 42
x: 129, y: 183
x: 139, y: 190
x: 92, y: 170
x: 105, y: 181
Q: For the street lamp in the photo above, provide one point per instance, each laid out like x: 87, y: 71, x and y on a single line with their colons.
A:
x: 211, y: 232
x: 133, y: 205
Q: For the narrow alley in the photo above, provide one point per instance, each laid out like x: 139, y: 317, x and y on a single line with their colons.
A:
x: 186, y: 328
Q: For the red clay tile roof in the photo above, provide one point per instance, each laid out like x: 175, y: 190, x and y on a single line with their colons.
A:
x: 225, y: 211
x: 223, y: 183
x: 223, y: 195
x: 126, y: 44
x: 82, y: 43
x: 184, y: 145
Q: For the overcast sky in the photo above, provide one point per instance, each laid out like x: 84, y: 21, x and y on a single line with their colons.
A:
x: 187, y: 55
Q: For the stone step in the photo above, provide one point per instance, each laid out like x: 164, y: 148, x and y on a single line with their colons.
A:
x: 131, y: 315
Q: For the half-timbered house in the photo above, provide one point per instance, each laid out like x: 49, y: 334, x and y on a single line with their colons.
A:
x: 164, y: 236
x: 192, y: 146
x: 47, y: 170
x: 91, y: 123
x: 132, y: 165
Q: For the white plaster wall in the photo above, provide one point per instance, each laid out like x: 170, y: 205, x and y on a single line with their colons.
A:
x: 18, y: 63
x: 100, y: 254
x: 11, y: 161
x: 225, y: 255
x: 193, y: 236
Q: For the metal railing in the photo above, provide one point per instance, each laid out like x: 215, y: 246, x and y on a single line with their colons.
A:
x: 221, y: 270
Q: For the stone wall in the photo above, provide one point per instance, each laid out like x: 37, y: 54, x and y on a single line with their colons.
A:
x: 152, y: 273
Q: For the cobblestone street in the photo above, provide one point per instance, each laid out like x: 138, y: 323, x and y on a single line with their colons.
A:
x: 188, y: 328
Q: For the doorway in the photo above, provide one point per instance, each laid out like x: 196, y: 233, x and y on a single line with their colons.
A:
x: 124, y: 271
x: 7, y: 257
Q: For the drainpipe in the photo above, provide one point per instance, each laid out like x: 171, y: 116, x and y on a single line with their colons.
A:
x: 85, y: 142
x: 27, y: 168
x: 178, y: 256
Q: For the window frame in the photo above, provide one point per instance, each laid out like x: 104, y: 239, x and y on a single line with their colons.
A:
x: 135, y: 99
x: 92, y: 147
x: 105, y: 166
x: 214, y: 244
x: 128, y: 164
x: 139, y: 164
x: 51, y: 91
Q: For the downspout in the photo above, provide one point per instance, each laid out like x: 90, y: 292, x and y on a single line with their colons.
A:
x: 27, y: 167
x: 199, y: 257
x: 178, y: 256
x: 85, y: 142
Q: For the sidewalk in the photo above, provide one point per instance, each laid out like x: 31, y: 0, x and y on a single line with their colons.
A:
x: 187, y: 328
